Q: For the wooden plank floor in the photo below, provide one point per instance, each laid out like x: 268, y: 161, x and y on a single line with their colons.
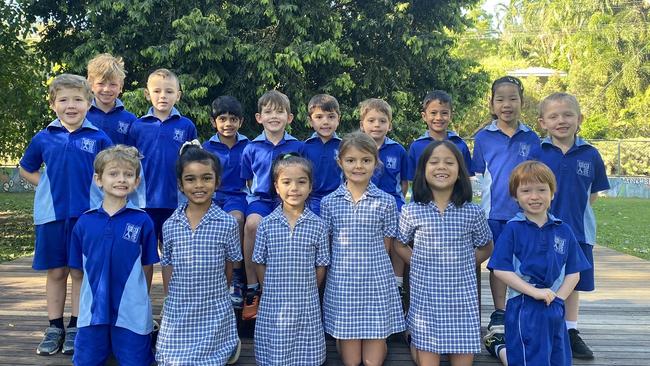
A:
x: 615, y: 319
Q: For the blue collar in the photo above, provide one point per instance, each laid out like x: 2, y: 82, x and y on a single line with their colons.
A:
x: 389, y: 141
x: 316, y: 136
x: 174, y: 113
x: 520, y: 127
x: 86, y: 124
x: 118, y: 104
x: 129, y: 206
x: 579, y: 141
x: 286, y: 137
x: 426, y: 136
x: 552, y: 220
x: 240, y: 137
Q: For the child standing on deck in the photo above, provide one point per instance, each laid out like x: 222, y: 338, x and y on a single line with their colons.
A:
x: 291, y: 250
x: 498, y: 148
x: 450, y: 238
x: 361, y: 304
x: 198, y: 324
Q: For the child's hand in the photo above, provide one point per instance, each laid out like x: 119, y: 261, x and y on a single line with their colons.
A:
x: 544, y: 294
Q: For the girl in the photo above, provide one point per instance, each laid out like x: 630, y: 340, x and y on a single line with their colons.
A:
x: 198, y: 323
x: 450, y: 237
x: 362, y: 304
x: 290, y: 242
x: 498, y: 148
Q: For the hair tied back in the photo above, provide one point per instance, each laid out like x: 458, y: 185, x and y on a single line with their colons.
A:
x: 188, y: 144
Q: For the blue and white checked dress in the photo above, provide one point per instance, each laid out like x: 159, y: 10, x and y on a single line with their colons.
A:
x: 289, y: 329
x: 198, y: 325
x: 443, y: 315
x: 361, y: 297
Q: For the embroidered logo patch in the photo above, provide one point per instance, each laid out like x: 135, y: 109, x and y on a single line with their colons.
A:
x: 524, y: 150
x: 122, y: 127
x: 391, y: 162
x: 131, y: 233
x: 558, y: 245
x: 179, y: 135
x: 88, y: 145
x: 584, y: 168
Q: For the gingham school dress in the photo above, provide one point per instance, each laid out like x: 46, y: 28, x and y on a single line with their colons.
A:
x: 361, y: 297
x: 289, y: 329
x: 198, y: 325
x: 443, y: 315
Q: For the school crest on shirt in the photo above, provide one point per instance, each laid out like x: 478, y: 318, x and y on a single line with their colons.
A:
x: 584, y: 168
x: 179, y: 135
x: 558, y: 245
x: 87, y: 145
x: 122, y: 127
x: 391, y: 162
x: 131, y: 233
x: 524, y: 150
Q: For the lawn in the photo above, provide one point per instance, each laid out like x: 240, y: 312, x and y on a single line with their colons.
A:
x: 623, y: 225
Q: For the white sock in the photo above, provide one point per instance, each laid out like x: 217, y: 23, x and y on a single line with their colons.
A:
x: 571, y: 325
x: 400, y: 281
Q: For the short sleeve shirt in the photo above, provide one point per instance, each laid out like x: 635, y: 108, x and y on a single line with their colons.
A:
x: 116, y: 123
x: 327, y: 173
x: 230, y: 159
x: 418, y: 146
x: 393, y: 171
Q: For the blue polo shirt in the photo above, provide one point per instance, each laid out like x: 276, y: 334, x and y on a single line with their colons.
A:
x: 495, y: 156
x: 66, y: 188
x: 159, y: 143
x: 256, y: 161
x: 111, y: 251
x: 230, y: 160
x: 394, y: 169
x: 327, y: 173
x: 116, y: 123
x: 418, y: 146
x: 540, y: 256
x: 579, y: 173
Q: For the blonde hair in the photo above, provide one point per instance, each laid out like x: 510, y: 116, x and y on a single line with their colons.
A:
x: 70, y: 81
x: 106, y: 67
x: 164, y: 74
x: 276, y: 99
x: 128, y: 155
x: 377, y: 105
x: 531, y: 171
x: 559, y: 97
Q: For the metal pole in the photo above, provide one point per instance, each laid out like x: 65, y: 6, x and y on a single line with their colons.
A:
x: 618, y: 158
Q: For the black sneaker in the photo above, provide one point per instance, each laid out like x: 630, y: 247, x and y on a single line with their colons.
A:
x: 497, y: 321
x: 494, y: 343
x: 579, y: 348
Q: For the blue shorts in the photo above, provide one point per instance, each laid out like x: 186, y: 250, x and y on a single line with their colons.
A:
x: 52, y: 246
x: 159, y: 216
x: 586, y: 282
x: 496, y: 227
x: 261, y: 207
x: 536, y: 334
x: 95, y: 343
x: 231, y: 202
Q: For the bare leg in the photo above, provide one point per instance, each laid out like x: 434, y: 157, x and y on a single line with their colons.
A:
x: 374, y: 352
x: 461, y: 359
x: 350, y: 351
x: 572, y: 306
x: 498, y: 289
x: 55, y: 291
x: 239, y: 216
x: 77, y: 278
x: 427, y: 358
x: 250, y: 230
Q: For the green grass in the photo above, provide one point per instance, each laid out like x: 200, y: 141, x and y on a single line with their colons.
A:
x: 622, y: 225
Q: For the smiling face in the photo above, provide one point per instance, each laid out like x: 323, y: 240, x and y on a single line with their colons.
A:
x: 357, y: 165
x: 506, y: 103
x: 70, y: 106
x: 274, y: 119
x: 324, y: 123
x: 117, y: 180
x: 198, y: 182
x: 293, y: 186
x: 441, y: 171
x: 561, y: 120
x: 226, y: 125
x: 163, y: 93
x: 376, y: 124
x: 437, y: 116
x: 534, y: 198
x: 106, y: 92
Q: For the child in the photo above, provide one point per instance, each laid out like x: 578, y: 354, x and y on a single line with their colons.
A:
x: 537, y: 257
x: 436, y: 114
x: 451, y: 237
x: 323, y: 145
x: 274, y: 113
x: 115, y: 246
x: 198, y: 324
x: 290, y: 242
x: 228, y: 144
x: 498, y: 148
x: 64, y: 190
x: 361, y: 304
x: 580, y: 174
x: 106, y: 77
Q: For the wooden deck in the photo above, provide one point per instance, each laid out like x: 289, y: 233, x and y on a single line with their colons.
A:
x: 615, y: 320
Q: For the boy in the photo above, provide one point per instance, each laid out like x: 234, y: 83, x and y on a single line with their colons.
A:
x: 322, y: 147
x: 274, y: 113
x: 537, y: 257
x: 64, y: 190
x: 228, y: 144
x: 115, y: 246
x: 436, y: 114
x: 106, y: 77
x: 159, y: 135
x: 581, y: 174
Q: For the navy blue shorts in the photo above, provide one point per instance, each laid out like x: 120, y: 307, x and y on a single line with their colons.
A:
x: 159, y: 216
x: 261, y: 207
x: 231, y: 202
x: 496, y: 227
x: 52, y: 245
x: 587, y: 282
x: 95, y: 343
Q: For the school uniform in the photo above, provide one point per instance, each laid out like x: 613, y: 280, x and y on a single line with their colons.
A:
x: 231, y: 195
x: 418, y: 146
x: 394, y: 169
x: 257, y: 158
x: 114, y: 305
x: 159, y: 143
x: 495, y: 156
x: 361, y: 298
x: 444, y: 315
x: 116, y: 123
x: 327, y: 173
x: 289, y: 328
x: 198, y: 324
x: 66, y: 188
x: 536, y: 334
x: 579, y: 173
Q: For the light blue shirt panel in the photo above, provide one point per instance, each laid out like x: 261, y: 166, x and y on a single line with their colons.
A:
x: 43, y: 202
x: 85, y: 300
x: 135, y: 303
